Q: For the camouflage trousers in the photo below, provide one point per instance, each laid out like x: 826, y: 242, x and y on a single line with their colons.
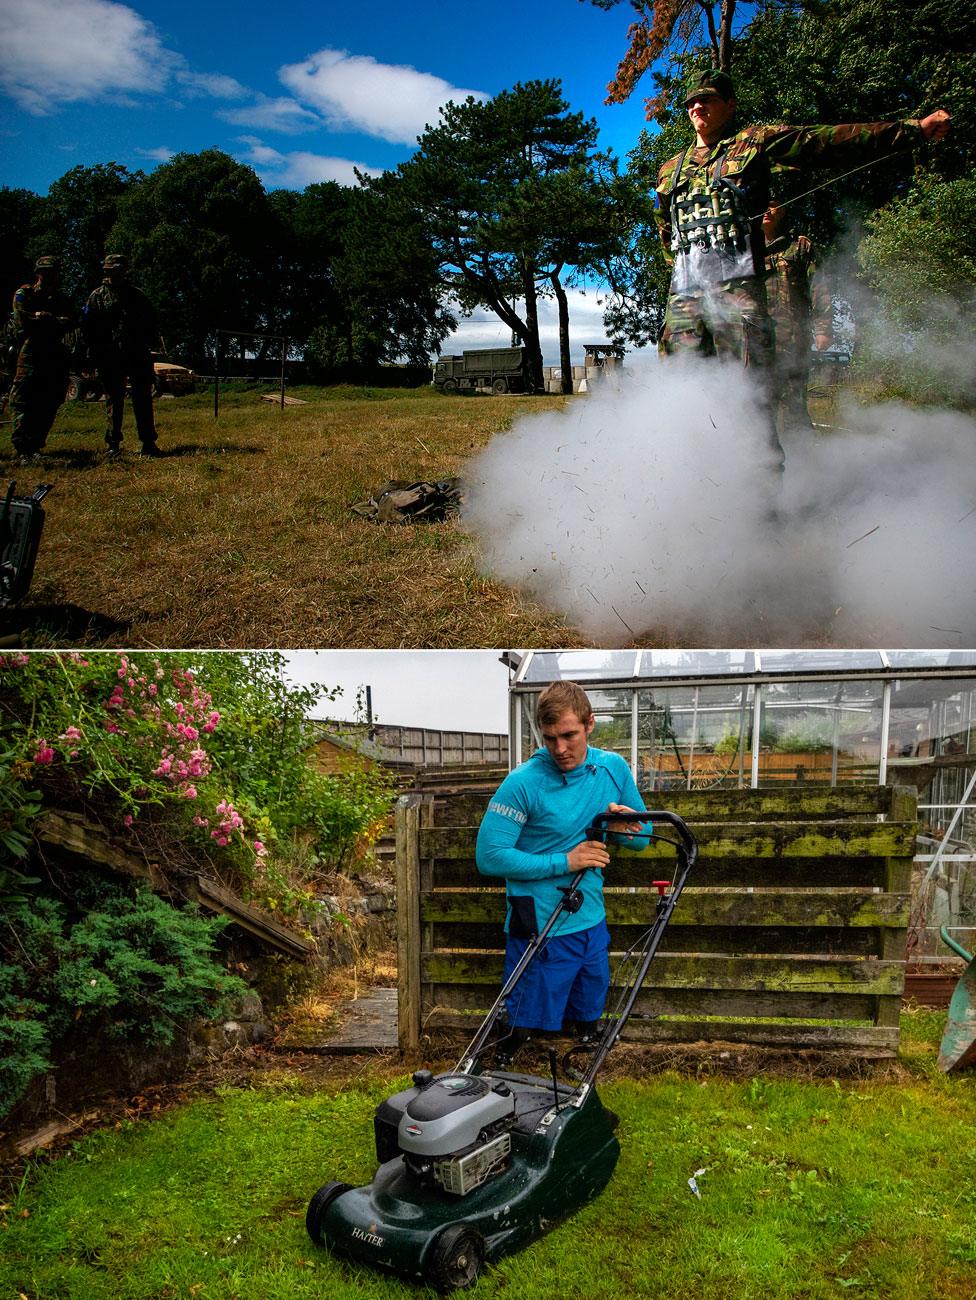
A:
x: 789, y: 382
x: 140, y: 379
x: 35, y: 398
x: 731, y: 322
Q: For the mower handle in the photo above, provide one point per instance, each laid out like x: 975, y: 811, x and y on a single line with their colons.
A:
x: 600, y: 828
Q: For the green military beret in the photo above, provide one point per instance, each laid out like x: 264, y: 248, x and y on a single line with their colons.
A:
x: 48, y: 264
x: 710, y: 82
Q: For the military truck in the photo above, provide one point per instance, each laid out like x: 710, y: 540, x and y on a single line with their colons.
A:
x: 484, y: 370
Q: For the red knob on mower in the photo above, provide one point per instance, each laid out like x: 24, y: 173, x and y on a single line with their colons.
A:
x: 661, y: 886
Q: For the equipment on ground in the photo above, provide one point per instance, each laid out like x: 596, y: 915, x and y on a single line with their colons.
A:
x: 479, y: 1162
x: 486, y: 370
x: 21, y: 525
x: 958, y: 1047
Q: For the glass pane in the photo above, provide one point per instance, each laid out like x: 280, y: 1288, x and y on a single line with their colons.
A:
x: 821, y: 732
x: 612, y: 710
x: 696, y: 738
x: 695, y: 663
x: 817, y: 661
x: 580, y: 665
x: 931, y: 658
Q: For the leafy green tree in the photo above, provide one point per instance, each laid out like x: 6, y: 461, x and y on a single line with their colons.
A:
x: 20, y: 213
x: 388, y: 302
x: 466, y: 183
x: 670, y: 27
x: 77, y: 215
x: 199, y: 233
x: 307, y: 243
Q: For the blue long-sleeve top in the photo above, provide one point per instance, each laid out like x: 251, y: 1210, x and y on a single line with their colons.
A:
x: 538, y: 814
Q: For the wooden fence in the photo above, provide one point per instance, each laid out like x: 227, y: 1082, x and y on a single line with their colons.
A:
x: 791, y: 931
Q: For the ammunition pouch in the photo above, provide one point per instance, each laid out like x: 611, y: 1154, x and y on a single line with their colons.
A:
x: 711, y: 233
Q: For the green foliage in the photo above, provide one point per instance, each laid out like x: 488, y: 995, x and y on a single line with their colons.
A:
x: 127, y: 964
x: 507, y: 192
x: 18, y: 807
x: 140, y: 738
x: 76, y: 219
x: 197, y: 231
x: 920, y: 259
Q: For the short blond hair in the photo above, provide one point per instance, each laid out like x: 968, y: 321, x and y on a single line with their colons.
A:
x: 560, y: 698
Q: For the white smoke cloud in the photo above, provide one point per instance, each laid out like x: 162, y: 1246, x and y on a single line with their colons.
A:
x: 649, y: 512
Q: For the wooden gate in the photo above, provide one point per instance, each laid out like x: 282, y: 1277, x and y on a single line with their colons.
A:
x: 791, y: 931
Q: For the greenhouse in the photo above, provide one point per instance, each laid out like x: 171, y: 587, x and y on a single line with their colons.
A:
x: 718, y: 719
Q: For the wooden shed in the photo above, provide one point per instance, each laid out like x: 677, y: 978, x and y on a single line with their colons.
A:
x: 791, y: 931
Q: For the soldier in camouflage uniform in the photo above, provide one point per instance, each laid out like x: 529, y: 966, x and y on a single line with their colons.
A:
x: 710, y: 201
x: 41, y: 320
x: 799, y: 307
x: 120, y: 328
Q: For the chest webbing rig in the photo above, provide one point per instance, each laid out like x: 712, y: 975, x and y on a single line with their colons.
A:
x: 710, y: 216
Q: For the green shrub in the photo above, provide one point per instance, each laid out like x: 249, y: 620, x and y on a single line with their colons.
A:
x: 127, y: 964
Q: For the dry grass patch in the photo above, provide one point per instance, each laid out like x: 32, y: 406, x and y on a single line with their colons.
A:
x: 242, y: 536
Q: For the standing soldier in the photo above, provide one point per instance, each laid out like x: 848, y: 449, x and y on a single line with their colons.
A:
x: 42, y: 317
x: 801, y: 310
x: 710, y: 202
x: 119, y: 324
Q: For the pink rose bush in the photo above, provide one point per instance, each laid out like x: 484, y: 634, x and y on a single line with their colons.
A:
x: 141, y: 730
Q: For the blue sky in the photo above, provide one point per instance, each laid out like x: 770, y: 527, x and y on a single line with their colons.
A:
x: 302, y: 92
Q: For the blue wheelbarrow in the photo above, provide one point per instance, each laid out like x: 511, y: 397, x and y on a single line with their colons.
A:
x: 958, y: 1048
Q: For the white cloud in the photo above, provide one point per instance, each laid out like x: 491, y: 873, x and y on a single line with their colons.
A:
x: 58, y: 51
x: 355, y: 93
x: 66, y: 51
x: 265, y: 114
x: 298, y: 169
x: 213, y: 84
x: 160, y: 154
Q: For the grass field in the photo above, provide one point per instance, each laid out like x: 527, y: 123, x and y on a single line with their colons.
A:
x: 812, y: 1188
x: 242, y: 535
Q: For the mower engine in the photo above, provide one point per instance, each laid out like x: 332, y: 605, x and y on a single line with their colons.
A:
x: 452, y: 1130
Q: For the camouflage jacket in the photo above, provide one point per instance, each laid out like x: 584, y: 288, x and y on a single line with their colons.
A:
x: 40, y: 320
x: 749, y: 156
x: 119, y: 321
x: 796, y: 296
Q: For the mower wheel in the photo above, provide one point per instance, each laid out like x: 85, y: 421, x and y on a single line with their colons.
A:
x: 317, y: 1206
x: 455, y: 1258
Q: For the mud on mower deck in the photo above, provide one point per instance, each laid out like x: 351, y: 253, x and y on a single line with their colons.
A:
x: 437, y: 1220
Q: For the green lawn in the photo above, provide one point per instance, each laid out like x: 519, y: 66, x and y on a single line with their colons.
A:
x: 812, y: 1188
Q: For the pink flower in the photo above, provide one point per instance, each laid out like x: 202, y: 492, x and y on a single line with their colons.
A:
x: 71, y: 733
x: 127, y: 819
x: 259, y: 849
x: 200, y: 821
x: 190, y: 792
x: 44, y: 754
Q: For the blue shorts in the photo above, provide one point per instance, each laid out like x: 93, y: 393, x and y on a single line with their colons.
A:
x: 568, y: 980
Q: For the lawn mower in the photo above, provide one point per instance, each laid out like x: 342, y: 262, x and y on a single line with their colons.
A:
x: 477, y: 1163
